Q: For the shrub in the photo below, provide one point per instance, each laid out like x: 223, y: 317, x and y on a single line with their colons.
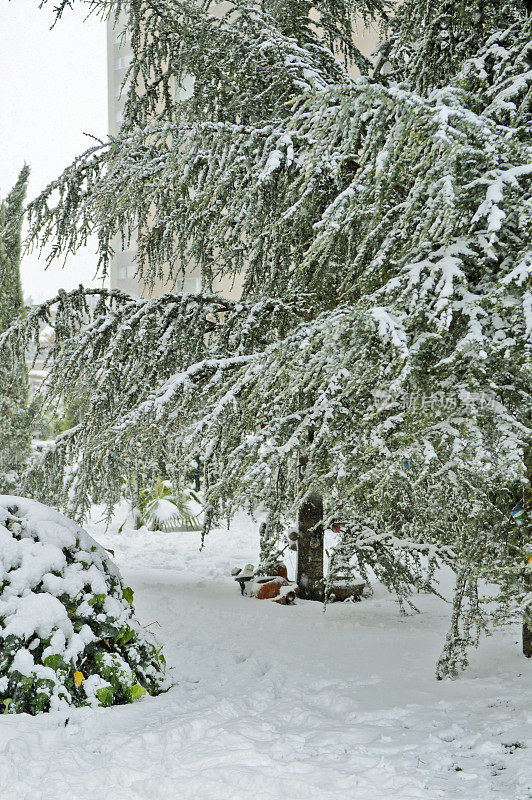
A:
x: 165, y: 508
x: 68, y: 633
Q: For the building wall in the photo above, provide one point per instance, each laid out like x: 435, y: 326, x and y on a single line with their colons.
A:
x: 123, y: 267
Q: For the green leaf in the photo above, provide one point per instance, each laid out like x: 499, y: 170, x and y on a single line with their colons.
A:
x: 127, y: 594
x: 135, y: 691
x: 7, y: 702
x: 105, y: 695
x: 125, y: 635
x: 97, y: 598
x: 55, y: 661
x: 108, y: 630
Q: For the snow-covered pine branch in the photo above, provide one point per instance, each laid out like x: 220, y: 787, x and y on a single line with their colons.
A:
x: 428, y: 42
x: 113, y: 357
x: 14, y: 385
x: 426, y: 196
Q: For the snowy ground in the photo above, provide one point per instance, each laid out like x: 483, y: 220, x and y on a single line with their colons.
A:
x: 281, y: 703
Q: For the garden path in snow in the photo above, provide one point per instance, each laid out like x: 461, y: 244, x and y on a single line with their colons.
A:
x: 280, y: 703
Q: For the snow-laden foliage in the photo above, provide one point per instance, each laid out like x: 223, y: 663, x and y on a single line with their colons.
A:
x: 15, y: 427
x: 165, y: 508
x: 110, y: 358
x: 68, y: 634
x: 427, y: 41
x: 382, y: 225
x: 500, y: 76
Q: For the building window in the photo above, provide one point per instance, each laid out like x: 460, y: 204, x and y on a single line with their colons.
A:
x: 185, y: 90
x: 191, y: 286
x: 122, y: 273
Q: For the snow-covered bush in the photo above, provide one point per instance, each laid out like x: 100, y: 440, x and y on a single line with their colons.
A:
x: 68, y: 634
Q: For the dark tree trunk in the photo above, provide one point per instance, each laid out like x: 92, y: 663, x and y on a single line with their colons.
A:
x: 527, y: 640
x: 310, y: 576
x: 527, y: 626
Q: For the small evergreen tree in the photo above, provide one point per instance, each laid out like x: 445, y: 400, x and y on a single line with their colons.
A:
x: 382, y: 224
x: 14, y: 385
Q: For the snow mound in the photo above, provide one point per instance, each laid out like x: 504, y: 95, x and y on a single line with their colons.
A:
x: 68, y: 633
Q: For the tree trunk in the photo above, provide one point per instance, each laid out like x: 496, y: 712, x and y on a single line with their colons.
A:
x: 527, y: 621
x: 310, y: 577
x: 527, y: 624
x: 527, y: 640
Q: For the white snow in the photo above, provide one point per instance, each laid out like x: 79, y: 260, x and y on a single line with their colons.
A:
x: 276, y: 702
x: 35, y: 613
x: 390, y: 326
x: 495, y: 194
x: 285, y: 150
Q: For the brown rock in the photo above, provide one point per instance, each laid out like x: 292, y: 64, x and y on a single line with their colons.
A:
x: 274, y: 588
x: 267, y: 588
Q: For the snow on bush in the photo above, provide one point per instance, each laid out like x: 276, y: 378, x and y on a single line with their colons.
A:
x: 68, y: 634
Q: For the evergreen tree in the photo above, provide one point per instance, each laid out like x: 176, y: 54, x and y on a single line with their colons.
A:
x: 14, y: 384
x: 383, y: 226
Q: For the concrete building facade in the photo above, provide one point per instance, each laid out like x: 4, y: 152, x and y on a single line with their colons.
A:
x: 123, y: 267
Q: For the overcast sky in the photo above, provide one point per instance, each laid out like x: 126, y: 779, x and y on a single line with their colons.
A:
x: 53, y: 87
